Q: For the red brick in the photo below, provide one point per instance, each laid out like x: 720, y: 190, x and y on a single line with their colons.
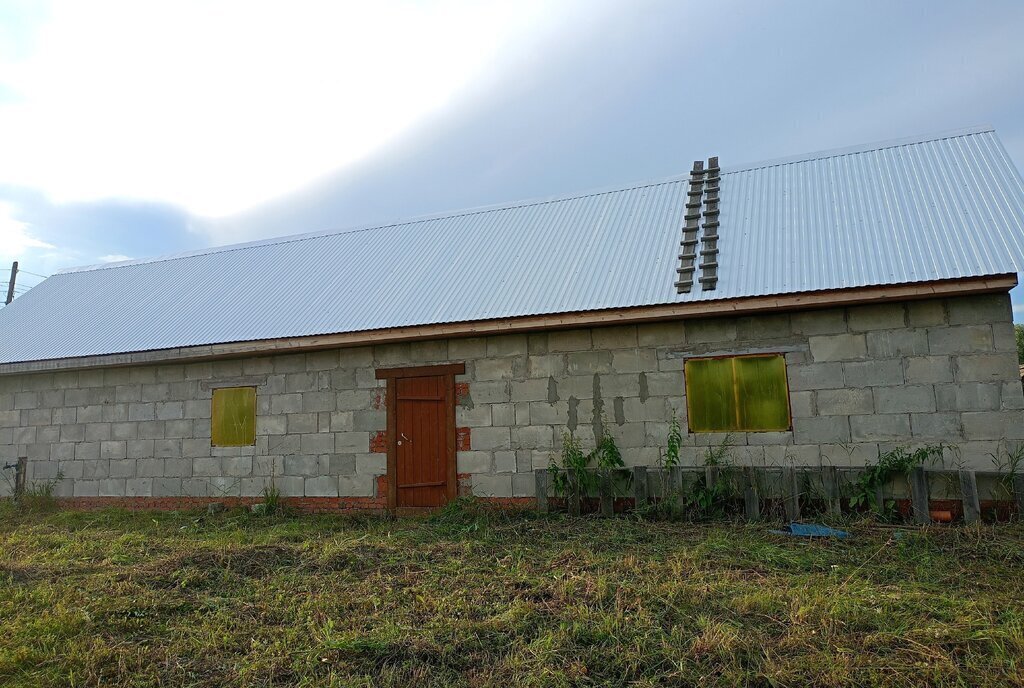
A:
x: 462, y: 439
x: 461, y: 391
x: 379, y: 442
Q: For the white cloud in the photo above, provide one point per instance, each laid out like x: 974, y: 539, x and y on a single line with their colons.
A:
x: 15, y: 238
x: 114, y: 258
x: 217, y: 106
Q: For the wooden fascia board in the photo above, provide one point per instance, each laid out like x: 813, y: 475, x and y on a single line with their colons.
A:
x: 616, y: 316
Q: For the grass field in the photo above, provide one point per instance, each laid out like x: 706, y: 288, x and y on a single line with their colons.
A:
x: 478, y: 599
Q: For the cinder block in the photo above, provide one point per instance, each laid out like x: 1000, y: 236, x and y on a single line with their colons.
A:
x: 473, y: 417
x: 490, y: 392
x: 290, y: 485
x: 151, y: 429
x: 761, y: 327
x: 896, y: 343
x: 654, y: 409
x: 847, y: 454
x: 38, y: 416
x: 27, y: 435
x: 271, y: 425
x: 302, y: 465
x: 470, y: 347
x: 993, y: 425
x: 710, y: 331
x: 269, y: 465
x: 505, y: 462
x: 661, y: 334
x: 543, y: 413
x: 874, y: 373
x: 876, y: 317
x: 356, y: 357
x: 506, y: 345
x: 167, y: 449
x: 149, y: 468
x: 474, y: 462
x: 625, y: 385
x: 987, y: 367
x: 139, y: 449
x: 936, y: 426
x: 528, y: 437
x: 526, y: 390
x: 372, y: 464
x: 821, y: 430
x: 618, y: 337
x: 321, y: 486
x: 110, y: 413
x: 837, y: 347
x: 816, y: 376
x: 138, y: 487
x: 302, y: 423
x: 285, y: 403
x: 926, y: 313
x: 524, y: 485
x: 979, y: 309
x: 631, y: 435
x: 905, y: 399
x: 830, y: 321
x: 170, y: 410
x: 62, y: 452
x: 179, y: 429
x: 499, y: 368
x: 928, y: 369
x: 1004, y: 337
x: 876, y: 427
x: 351, y: 442
x: 124, y: 431
x: 503, y: 414
x: 122, y: 468
x: 86, y: 488
x: 1012, y: 397
x: 634, y: 361
x: 487, y: 485
x: 177, y: 468
x: 960, y: 339
x: 97, y: 432
x: 303, y: 382
x: 537, y: 343
x: 315, y: 402
x: 369, y: 420
x: 166, y: 487
x: 569, y: 340
x: 491, y: 438
x: 358, y: 485
x: 432, y: 351
x: 206, y: 466
x: 318, y: 443
x: 87, y: 451
x: 545, y: 366
x: 155, y: 392
x: 844, y: 402
x: 68, y: 433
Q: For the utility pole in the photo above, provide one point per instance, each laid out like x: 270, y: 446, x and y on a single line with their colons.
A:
x: 10, y: 285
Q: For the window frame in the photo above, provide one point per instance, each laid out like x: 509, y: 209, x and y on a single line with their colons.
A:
x: 213, y: 415
x: 769, y: 354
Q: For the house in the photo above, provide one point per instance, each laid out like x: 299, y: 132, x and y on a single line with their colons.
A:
x: 815, y: 310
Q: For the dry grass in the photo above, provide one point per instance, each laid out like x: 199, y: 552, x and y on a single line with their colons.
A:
x: 479, y: 599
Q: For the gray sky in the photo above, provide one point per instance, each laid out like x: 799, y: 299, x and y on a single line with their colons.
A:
x: 248, y: 125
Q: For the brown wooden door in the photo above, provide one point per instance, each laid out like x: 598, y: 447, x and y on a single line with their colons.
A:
x: 421, y: 440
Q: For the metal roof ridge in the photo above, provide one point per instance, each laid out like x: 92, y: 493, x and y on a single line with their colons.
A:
x: 305, y: 236
x: 859, y: 148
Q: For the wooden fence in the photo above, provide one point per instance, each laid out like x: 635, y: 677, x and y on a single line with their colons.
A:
x: 790, y: 486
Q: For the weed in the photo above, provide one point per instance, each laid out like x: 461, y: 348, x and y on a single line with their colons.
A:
x: 474, y: 597
x: 896, y: 463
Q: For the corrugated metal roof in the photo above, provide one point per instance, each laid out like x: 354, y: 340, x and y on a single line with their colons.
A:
x: 927, y: 209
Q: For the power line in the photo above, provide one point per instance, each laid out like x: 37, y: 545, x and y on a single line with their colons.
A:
x: 34, y: 274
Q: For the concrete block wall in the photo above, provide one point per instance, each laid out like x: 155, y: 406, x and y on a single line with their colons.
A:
x: 862, y: 380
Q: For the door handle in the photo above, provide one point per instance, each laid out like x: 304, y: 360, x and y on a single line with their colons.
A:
x: 402, y: 435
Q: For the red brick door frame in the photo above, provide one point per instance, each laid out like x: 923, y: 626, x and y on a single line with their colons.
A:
x: 447, y: 372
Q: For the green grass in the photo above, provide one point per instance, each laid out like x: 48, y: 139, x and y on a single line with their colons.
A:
x: 478, y: 599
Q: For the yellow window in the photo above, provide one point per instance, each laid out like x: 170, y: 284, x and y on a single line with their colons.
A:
x: 234, y: 417
x: 737, y: 394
